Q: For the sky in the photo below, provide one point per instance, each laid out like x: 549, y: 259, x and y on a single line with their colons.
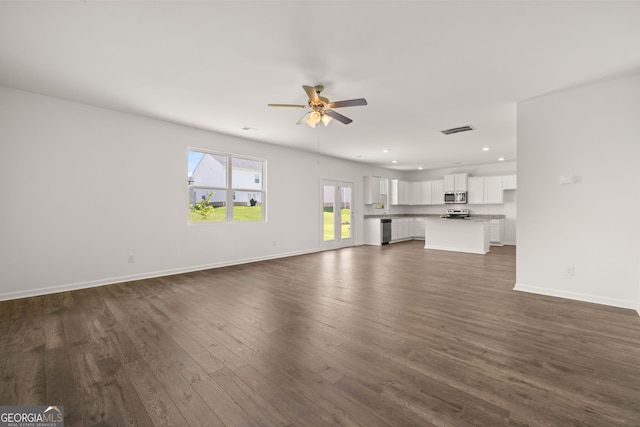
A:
x: 194, y: 159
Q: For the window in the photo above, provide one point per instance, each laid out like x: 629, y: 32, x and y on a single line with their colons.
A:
x: 383, y: 194
x: 219, y: 193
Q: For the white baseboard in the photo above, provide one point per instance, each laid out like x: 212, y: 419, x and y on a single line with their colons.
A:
x: 149, y: 275
x: 614, y: 302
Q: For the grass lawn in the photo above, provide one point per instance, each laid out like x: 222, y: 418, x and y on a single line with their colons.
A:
x: 254, y: 213
x: 345, y: 222
x: 240, y: 214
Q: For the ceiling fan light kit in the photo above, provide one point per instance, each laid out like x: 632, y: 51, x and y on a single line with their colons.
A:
x: 321, y: 107
x: 314, y: 118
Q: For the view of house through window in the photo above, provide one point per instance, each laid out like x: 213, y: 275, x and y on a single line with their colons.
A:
x: 224, y: 188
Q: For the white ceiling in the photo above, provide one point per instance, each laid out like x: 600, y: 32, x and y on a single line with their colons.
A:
x: 423, y: 66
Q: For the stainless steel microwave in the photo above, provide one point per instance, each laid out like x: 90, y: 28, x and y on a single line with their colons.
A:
x: 455, y: 197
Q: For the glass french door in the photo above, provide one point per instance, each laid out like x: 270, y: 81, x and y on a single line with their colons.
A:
x: 336, y: 214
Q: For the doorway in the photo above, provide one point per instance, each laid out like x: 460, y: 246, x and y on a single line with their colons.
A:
x: 336, y: 214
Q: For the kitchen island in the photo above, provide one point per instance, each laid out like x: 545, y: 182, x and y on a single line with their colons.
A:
x: 460, y: 235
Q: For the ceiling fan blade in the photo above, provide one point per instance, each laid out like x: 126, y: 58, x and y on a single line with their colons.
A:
x: 311, y: 93
x: 287, y: 105
x: 348, y: 103
x: 304, y: 119
x: 339, y: 117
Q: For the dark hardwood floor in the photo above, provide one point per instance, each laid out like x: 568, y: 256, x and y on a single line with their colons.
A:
x: 364, y: 336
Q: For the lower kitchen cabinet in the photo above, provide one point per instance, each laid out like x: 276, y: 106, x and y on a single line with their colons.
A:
x: 400, y: 229
x: 372, y: 235
x: 496, y: 232
x: 417, y: 228
x: 413, y: 228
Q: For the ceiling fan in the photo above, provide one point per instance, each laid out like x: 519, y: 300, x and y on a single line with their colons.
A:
x: 321, y: 109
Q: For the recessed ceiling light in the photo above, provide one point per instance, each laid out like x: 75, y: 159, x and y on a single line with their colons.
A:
x: 386, y: 150
x: 419, y: 168
x: 501, y: 159
x: 485, y: 148
x: 394, y: 161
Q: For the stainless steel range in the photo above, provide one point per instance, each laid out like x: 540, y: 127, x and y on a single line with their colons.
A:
x: 456, y: 214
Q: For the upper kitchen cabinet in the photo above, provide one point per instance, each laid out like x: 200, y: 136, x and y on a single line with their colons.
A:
x: 456, y: 182
x: 437, y: 189
x: 416, y: 193
x: 475, y: 192
x: 485, y: 190
x: 426, y: 192
x: 493, y: 192
x: 429, y: 193
x: 510, y: 182
x: 392, y: 196
x: 398, y: 192
x: 371, y: 190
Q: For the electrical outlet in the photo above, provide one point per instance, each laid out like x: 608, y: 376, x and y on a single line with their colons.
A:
x: 569, y: 271
x: 131, y: 258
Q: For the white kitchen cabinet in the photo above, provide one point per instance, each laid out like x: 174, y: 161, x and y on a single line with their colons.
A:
x: 400, y: 192
x: 449, y: 182
x: 417, y: 228
x: 510, y: 182
x: 372, y: 231
x: 392, y: 197
x: 485, y: 190
x: 493, y: 192
x: 496, y: 232
x: 404, y: 194
x: 437, y: 196
x: 371, y: 190
x: 407, y: 193
x: 475, y: 193
x: 425, y: 192
x: 416, y: 193
x: 456, y: 182
x: 395, y: 223
x: 400, y: 229
x: 459, y: 236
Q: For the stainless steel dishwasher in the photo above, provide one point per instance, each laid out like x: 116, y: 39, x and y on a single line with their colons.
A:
x: 385, y: 230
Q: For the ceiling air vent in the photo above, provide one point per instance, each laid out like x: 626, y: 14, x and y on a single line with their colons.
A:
x: 457, y: 130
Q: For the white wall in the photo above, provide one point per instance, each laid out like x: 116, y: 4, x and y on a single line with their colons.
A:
x: 589, y: 133
x: 84, y: 187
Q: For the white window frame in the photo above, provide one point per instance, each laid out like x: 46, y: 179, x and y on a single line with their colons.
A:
x: 230, y: 190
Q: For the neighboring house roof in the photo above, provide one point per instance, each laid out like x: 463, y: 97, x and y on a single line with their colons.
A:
x: 236, y: 162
